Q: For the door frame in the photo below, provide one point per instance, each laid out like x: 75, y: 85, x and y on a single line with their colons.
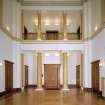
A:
x: 58, y: 77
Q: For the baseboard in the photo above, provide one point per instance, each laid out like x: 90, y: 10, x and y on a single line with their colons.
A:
x: 16, y: 89
x: 12, y: 91
x: 103, y: 97
x: 31, y: 86
x: 70, y: 86
x: 88, y: 89
x: 2, y: 93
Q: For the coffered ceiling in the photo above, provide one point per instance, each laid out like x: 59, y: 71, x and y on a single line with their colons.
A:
x: 51, y: 2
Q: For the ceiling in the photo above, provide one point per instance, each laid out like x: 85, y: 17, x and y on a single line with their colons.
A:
x: 51, y: 2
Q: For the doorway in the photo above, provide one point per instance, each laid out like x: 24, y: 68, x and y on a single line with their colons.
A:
x: 26, y: 75
x: 78, y: 76
x: 52, y: 76
x: 8, y: 76
x: 95, y: 76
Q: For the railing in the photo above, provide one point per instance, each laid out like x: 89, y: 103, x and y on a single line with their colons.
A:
x: 70, y: 36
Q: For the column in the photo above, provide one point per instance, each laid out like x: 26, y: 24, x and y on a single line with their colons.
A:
x: 65, y: 71
x: 22, y: 72
x: 39, y: 26
x: 64, y: 26
x: 39, y: 71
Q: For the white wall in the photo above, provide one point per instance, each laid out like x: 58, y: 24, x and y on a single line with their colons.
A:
x: 5, y: 54
x: 98, y: 51
x: 53, y: 47
x: 12, y: 16
x: 73, y: 61
x: 30, y: 60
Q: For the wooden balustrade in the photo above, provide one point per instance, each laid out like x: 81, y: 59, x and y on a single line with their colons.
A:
x: 70, y: 36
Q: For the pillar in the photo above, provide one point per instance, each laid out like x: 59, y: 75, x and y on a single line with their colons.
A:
x: 65, y: 71
x: 39, y: 71
x: 22, y: 72
x: 64, y: 26
x: 39, y: 26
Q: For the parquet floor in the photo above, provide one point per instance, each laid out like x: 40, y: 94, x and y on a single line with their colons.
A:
x: 51, y: 97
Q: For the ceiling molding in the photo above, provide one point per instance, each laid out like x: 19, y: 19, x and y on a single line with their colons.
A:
x: 51, y: 3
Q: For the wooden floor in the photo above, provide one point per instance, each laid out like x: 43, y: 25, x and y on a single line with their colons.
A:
x: 51, y: 97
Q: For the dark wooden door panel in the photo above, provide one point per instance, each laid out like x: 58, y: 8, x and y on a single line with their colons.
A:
x: 8, y: 76
x: 78, y: 76
x: 95, y: 76
x: 26, y: 75
x: 52, y: 76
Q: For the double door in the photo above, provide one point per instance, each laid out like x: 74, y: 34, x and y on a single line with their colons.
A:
x: 51, y: 76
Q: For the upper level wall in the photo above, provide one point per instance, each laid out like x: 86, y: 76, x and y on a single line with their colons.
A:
x: 11, y: 17
x: 103, y: 10
x: 58, y: 46
x: 1, y: 10
x: 5, y: 54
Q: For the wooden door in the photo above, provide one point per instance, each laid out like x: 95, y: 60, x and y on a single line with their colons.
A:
x: 78, y: 76
x: 8, y: 76
x: 95, y: 76
x: 26, y: 75
x: 51, y: 74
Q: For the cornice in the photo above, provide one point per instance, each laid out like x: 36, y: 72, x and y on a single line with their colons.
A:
x: 95, y: 34
x: 50, y: 3
x: 10, y: 35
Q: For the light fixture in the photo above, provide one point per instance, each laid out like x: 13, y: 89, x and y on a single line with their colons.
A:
x: 56, y: 54
x: 102, y: 64
x: 67, y: 22
x: 47, y: 54
x: 35, y: 22
x: 65, y: 39
x: 7, y: 28
x: 38, y: 39
x: 1, y: 64
x: 35, y: 54
x: 47, y: 22
x: 96, y: 28
x: 68, y: 54
x: 56, y: 24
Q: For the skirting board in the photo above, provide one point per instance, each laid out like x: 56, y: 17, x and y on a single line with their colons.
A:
x: 13, y: 91
x: 70, y: 86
